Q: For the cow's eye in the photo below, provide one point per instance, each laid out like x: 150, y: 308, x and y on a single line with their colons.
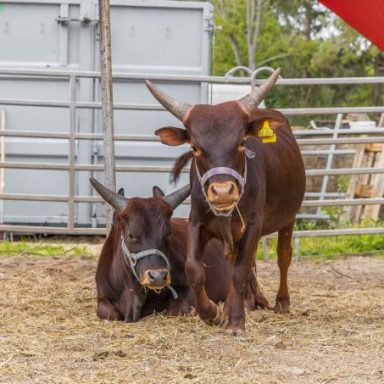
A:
x: 242, y: 145
x: 196, y: 151
x: 132, y: 238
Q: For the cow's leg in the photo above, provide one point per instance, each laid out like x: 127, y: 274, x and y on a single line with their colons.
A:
x: 254, y: 297
x: 284, y: 256
x: 205, y: 308
x: 234, y: 314
x: 129, y: 304
x: 106, y: 311
x: 182, y: 305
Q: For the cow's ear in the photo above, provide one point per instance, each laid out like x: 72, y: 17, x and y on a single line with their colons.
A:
x: 173, y: 136
x: 264, y: 122
x: 157, y: 192
x: 264, y: 126
x: 121, y: 191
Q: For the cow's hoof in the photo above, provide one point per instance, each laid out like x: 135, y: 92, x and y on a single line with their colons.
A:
x: 237, y: 332
x: 212, y: 322
x: 224, y: 317
x: 217, y: 319
x: 181, y: 311
x: 262, y: 302
x: 224, y: 321
x: 257, y: 302
x: 282, y: 306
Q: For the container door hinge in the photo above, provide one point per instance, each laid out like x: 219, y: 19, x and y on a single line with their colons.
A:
x: 210, y: 27
x: 85, y: 20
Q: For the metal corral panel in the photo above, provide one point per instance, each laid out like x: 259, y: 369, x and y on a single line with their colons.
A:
x: 163, y: 37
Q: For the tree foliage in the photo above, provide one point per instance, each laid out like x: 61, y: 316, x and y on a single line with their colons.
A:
x: 305, y: 39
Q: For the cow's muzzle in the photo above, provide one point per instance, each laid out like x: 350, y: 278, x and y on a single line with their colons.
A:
x: 156, y: 279
x: 224, y: 195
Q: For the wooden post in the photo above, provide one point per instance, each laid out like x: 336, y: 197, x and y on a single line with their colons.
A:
x: 107, y: 99
x: 367, y: 186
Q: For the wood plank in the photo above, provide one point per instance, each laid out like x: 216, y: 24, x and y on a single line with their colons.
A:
x: 359, y: 160
x: 373, y: 147
x: 371, y: 212
x: 364, y: 190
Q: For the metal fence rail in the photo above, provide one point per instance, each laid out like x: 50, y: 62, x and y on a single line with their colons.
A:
x: 189, y: 78
x: 304, y: 138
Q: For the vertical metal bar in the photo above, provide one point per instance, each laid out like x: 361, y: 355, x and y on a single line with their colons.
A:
x: 63, y: 36
x: 107, y: 98
x: 2, y: 170
x: 332, y: 147
x: 381, y: 121
x: 88, y: 59
x: 264, y: 247
x: 297, y: 248
x: 71, y: 155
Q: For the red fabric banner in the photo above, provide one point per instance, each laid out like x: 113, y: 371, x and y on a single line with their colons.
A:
x: 367, y: 17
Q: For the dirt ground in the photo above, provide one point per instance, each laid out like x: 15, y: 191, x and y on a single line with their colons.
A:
x: 49, y: 332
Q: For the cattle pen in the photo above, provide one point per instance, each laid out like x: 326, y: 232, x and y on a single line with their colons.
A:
x: 53, y: 225
x: 329, y: 140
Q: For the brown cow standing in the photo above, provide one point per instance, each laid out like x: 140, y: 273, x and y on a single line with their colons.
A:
x: 146, y: 227
x: 247, y: 180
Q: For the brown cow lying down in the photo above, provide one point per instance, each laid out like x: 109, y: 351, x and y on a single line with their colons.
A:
x: 142, y: 229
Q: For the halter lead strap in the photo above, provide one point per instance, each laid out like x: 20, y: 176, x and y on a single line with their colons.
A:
x: 131, y: 260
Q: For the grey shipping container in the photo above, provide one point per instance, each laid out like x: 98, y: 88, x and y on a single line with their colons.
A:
x: 154, y: 37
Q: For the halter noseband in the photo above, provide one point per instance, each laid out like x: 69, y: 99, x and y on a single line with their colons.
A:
x: 131, y: 260
x: 225, y: 171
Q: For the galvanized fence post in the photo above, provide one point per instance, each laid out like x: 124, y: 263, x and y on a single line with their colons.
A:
x: 2, y: 170
x: 297, y: 248
x: 332, y: 149
x: 107, y: 98
x: 264, y: 247
x: 71, y: 154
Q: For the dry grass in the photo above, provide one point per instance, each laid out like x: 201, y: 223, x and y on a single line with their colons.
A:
x: 49, y: 332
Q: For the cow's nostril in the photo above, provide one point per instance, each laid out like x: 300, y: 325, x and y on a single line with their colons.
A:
x: 157, y: 275
x: 231, y: 189
x: 213, y: 190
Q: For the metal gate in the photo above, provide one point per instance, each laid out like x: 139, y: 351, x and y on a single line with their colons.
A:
x: 162, y: 37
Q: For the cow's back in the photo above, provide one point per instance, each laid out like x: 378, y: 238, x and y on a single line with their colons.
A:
x: 277, y: 178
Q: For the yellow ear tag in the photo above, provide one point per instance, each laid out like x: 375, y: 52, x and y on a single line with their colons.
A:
x: 267, y: 134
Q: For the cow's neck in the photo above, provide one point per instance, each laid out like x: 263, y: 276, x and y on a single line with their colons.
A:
x: 225, y: 229
x: 228, y: 229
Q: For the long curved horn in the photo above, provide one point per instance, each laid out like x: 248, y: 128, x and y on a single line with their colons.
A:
x: 177, y: 108
x: 174, y: 199
x: 250, y: 102
x: 114, y: 199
